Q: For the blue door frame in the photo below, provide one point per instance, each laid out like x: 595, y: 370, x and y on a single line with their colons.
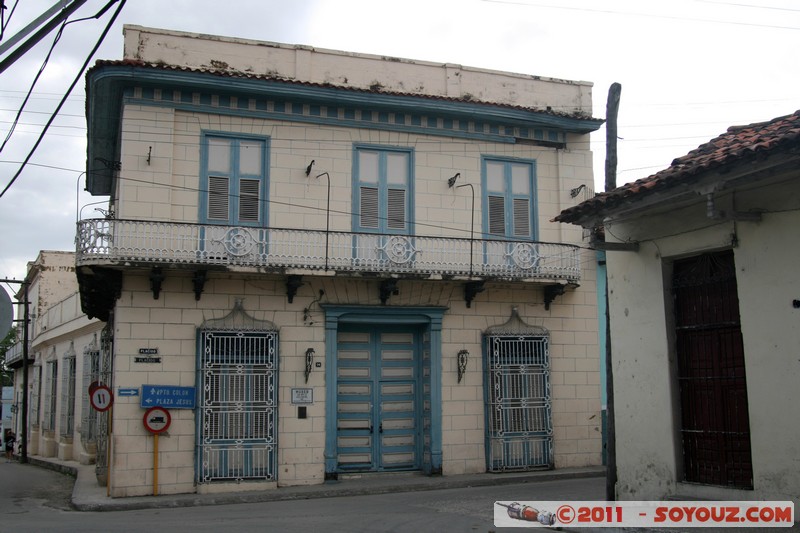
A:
x: 430, y: 318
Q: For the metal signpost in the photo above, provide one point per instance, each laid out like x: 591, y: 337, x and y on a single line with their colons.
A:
x: 102, y: 399
x: 156, y: 421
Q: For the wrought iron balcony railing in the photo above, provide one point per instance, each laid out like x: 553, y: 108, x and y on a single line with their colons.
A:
x: 119, y: 242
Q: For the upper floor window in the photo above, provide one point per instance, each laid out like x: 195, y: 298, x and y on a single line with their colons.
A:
x: 382, y: 192
x: 509, y: 198
x: 234, y: 191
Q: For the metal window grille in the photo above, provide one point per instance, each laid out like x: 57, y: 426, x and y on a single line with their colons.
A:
x: 237, y: 437
x: 67, y: 425
x: 91, y: 373
x: 50, y: 397
x: 34, y: 405
x: 105, y: 373
x: 519, y: 420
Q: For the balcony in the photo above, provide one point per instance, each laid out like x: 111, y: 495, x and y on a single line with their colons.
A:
x: 14, y: 358
x: 118, y: 243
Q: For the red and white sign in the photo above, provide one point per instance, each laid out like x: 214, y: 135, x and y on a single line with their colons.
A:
x: 101, y: 398
x: 157, y: 420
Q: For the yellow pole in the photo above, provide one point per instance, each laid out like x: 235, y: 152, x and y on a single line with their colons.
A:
x: 155, y: 464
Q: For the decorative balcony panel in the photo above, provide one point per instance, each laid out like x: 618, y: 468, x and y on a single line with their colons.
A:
x: 108, y: 242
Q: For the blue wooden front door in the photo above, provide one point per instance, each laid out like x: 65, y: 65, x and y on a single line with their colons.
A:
x: 378, y: 399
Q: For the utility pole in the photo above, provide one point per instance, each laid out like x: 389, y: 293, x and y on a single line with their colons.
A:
x: 612, y: 109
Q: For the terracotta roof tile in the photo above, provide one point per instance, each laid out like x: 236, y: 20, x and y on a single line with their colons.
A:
x: 267, y: 77
x: 739, y: 143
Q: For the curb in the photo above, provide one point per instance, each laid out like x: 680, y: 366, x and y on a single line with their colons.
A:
x: 88, y: 496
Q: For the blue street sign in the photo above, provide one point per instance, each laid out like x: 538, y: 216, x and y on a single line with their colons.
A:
x: 127, y: 392
x: 169, y: 396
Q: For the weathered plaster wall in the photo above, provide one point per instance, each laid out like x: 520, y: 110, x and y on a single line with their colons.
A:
x: 170, y: 322
x: 646, y: 405
x: 349, y: 69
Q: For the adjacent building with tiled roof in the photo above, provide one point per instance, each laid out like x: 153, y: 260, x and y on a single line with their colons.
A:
x: 750, y: 145
x: 704, y: 312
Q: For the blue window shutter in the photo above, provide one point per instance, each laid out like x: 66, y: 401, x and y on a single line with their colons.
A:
x: 218, y: 198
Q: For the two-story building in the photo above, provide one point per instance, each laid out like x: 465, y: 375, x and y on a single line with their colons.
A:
x: 346, y: 256
x: 63, y: 359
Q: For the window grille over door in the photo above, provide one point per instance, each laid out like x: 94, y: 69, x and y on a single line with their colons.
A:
x: 519, y: 429
x: 67, y: 413
x: 238, y: 401
x: 715, y: 422
x: 105, y: 373
x: 50, y: 395
x: 91, y: 373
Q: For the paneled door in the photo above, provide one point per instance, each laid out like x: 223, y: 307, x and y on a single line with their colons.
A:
x: 378, y: 399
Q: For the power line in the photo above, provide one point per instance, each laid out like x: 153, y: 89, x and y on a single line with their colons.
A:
x: 635, y: 14
x: 749, y: 5
x: 72, y: 85
x: 5, y: 21
x: 33, y: 84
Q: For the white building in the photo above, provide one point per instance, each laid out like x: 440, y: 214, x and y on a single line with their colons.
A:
x: 704, y: 312
x: 64, y: 347
x: 348, y: 257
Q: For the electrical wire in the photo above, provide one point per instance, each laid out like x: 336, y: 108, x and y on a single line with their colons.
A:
x: 59, y: 33
x: 635, y: 14
x: 5, y: 21
x: 69, y: 90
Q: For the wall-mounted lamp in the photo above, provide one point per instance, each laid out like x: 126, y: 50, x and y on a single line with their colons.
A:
x: 462, y: 357
x: 308, y: 168
x: 309, y: 362
x: 576, y: 191
x: 450, y: 183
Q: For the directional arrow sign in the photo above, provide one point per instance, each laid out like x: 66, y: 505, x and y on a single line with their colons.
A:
x: 169, y: 396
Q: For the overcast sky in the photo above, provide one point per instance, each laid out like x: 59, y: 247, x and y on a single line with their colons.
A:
x: 689, y: 69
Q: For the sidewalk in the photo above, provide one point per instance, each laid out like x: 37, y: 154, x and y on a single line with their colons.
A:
x: 87, y: 495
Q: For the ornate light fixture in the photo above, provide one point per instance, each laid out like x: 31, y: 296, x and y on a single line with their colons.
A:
x: 309, y: 362
x: 462, y: 357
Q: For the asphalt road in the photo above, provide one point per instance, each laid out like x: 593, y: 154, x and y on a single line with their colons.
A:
x: 34, y: 499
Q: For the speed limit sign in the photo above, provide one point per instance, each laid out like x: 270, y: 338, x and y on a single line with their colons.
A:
x: 101, y: 398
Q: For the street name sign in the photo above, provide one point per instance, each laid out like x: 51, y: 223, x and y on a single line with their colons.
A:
x: 169, y: 396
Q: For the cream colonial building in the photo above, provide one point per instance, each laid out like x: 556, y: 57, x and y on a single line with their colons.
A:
x: 63, y: 357
x: 346, y: 258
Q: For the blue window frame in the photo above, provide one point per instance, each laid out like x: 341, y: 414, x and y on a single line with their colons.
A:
x: 382, y: 192
x: 509, y: 198
x: 234, y: 180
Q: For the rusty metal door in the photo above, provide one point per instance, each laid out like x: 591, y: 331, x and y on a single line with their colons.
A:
x: 715, y: 427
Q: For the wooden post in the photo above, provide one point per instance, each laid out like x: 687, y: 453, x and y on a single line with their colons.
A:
x: 612, y: 108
